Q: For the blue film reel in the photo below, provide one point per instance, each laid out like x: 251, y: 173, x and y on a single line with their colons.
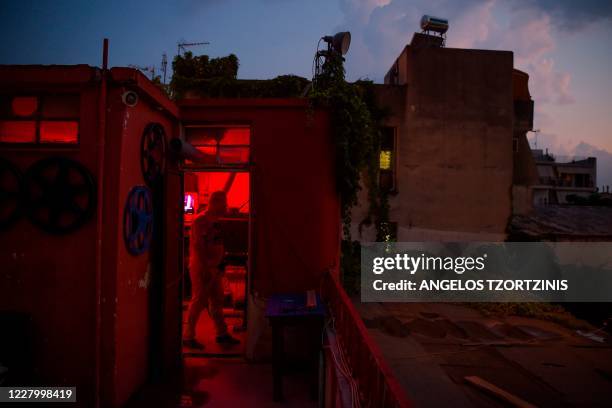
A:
x: 138, y: 220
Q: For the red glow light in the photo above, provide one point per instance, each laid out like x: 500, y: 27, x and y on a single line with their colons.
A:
x: 59, y: 132
x: 17, y: 131
x: 227, y: 154
x: 238, y: 188
x: 236, y: 136
x: 24, y: 105
x: 222, y: 145
x: 208, y: 150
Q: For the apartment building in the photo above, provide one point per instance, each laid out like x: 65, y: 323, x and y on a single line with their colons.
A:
x: 455, y: 157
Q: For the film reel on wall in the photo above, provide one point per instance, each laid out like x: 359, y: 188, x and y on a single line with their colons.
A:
x: 153, y: 153
x: 138, y: 220
x: 59, y: 194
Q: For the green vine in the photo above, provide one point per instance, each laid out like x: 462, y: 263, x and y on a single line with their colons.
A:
x: 217, y: 78
x: 356, y: 127
x: 355, y: 115
x: 356, y: 123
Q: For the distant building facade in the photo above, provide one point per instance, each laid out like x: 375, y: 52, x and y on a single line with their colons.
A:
x: 454, y: 156
x: 558, y: 180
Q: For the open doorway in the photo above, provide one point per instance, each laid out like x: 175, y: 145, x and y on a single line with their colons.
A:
x: 231, y: 230
x: 220, y: 166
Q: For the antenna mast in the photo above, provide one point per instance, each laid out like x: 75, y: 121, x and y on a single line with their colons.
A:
x: 164, y: 65
x: 183, y: 46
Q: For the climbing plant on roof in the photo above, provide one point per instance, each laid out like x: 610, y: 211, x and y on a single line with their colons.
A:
x: 356, y: 119
x: 356, y: 128
x: 218, y: 78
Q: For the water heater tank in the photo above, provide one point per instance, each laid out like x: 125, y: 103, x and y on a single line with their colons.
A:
x: 435, y: 24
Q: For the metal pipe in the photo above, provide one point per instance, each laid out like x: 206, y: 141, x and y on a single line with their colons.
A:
x: 99, y: 214
x: 230, y: 181
x: 186, y: 150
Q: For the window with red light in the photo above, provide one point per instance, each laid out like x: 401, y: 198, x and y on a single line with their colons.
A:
x: 39, y: 119
x: 221, y: 145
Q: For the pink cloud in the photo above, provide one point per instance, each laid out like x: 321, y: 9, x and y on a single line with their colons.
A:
x: 381, y: 28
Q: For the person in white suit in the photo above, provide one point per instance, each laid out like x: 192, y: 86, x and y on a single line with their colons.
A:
x: 206, y: 256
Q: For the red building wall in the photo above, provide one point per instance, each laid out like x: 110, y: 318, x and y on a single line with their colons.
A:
x: 295, y: 208
x: 104, y: 349
x: 130, y: 314
x: 52, y: 278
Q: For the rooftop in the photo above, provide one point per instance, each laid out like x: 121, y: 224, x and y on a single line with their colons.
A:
x: 558, y: 222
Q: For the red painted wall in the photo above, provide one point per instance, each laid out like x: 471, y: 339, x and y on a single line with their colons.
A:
x: 51, y: 278
x: 129, y: 314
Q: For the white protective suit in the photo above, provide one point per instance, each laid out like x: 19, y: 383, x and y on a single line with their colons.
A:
x: 206, y: 252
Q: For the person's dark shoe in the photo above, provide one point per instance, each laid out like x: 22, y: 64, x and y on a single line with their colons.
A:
x: 194, y: 344
x: 227, y: 339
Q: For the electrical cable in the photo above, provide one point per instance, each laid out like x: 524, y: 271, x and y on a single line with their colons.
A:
x: 315, y: 63
x: 343, y: 366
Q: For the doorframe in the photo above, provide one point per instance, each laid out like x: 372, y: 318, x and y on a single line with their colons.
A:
x: 248, y: 168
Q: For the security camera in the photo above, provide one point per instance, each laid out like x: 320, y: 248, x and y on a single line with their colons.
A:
x: 130, y: 98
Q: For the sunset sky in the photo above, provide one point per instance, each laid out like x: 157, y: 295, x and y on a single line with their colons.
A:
x: 565, y: 46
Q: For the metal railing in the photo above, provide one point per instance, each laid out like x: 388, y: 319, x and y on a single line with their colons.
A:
x: 376, y: 383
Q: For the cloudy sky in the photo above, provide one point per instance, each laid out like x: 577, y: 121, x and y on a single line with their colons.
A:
x: 564, y: 45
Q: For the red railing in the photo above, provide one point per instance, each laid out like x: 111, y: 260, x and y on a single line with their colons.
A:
x: 376, y: 383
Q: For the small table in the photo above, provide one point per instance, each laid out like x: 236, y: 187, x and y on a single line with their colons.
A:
x: 290, y: 310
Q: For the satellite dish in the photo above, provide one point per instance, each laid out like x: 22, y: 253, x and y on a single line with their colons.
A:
x: 340, y: 42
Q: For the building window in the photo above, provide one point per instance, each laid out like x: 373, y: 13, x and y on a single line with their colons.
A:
x: 221, y: 145
x: 387, y: 159
x: 17, y: 131
x: 42, y: 119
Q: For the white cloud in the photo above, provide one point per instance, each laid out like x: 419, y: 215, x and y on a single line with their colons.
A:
x: 472, y: 27
x: 381, y: 28
x: 548, y: 84
x: 529, y: 33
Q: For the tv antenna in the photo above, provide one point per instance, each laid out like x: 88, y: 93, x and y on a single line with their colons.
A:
x: 184, y: 45
x: 535, y: 134
x: 164, y: 65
